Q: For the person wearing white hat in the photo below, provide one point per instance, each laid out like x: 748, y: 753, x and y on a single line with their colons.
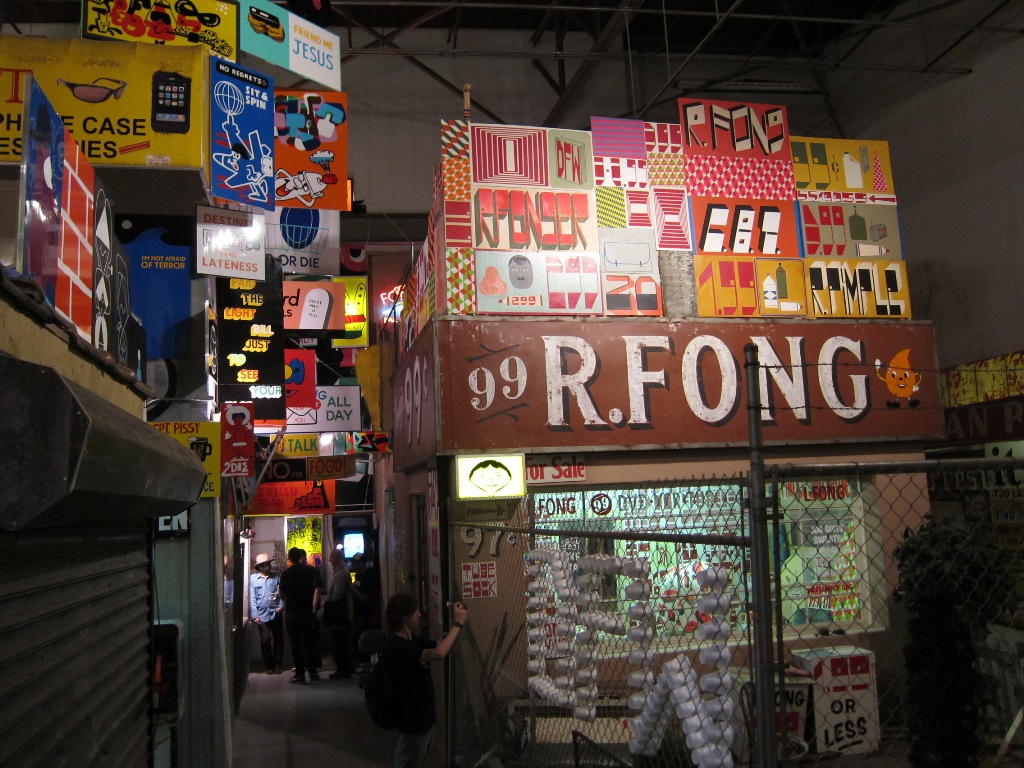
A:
x: 265, y: 608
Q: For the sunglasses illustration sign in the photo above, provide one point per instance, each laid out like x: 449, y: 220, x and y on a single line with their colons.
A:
x: 122, y: 104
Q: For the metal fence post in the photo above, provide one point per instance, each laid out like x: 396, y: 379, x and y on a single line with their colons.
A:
x: 760, y: 577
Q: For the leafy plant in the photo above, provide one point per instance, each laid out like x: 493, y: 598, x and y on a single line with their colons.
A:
x: 952, y: 583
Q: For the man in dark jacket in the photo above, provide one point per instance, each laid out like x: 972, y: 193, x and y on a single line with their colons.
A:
x: 300, y: 588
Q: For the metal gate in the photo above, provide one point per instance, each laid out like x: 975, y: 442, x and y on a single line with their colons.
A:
x: 74, y: 649
x: 851, y: 550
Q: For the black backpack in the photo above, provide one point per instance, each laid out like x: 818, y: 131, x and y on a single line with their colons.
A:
x: 379, y: 696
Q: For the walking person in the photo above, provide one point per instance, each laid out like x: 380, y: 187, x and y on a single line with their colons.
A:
x: 408, y: 659
x: 265, y: 608
x: 300, y: 588
x: 338, y: 615
x: 365, y: 604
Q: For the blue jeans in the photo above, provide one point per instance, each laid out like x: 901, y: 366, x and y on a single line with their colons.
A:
x: 413, y: 749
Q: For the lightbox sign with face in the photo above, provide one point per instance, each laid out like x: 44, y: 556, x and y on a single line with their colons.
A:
x: 485, y: 477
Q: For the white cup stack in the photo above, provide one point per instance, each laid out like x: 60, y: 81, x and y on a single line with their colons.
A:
x: 712, y: 741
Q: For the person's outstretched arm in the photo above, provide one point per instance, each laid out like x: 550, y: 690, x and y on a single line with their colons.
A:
x: 438, y: 652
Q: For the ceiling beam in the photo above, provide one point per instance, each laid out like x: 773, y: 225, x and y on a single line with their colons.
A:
x: 610, y: 34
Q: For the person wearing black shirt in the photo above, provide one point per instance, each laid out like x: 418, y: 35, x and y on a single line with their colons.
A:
x: 408, y: 658
x: 300, y: 588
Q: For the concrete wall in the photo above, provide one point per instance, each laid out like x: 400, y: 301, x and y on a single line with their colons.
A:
x: 957, y: 164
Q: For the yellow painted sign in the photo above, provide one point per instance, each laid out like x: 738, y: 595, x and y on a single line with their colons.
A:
x: 203, y: 439
x: 857, y: 288
x: 299, y: 445
x: 743, y: 286
x: 124, y: 104
x: 210, y: 23
x: 842, y: 165
x: 484, y: 477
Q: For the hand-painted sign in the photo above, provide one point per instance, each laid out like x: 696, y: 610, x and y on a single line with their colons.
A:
x: 242, y: 131
x: 630, y: 275
x: 123, y: 104
x: 311, y: 155
x: 203, y: 439
x: 250, y: 349
x: 305, y: 240
x: 742, y: 286
x: 842, y: 165
x: 744, y: 227
x: 274, y: 34
x: 527, y: 282
x: 237, y: 440
x: 850, y: 231
x: 230, y: 243
x: 604, y: 383
x: 212, y: 23
x: 530, y: 219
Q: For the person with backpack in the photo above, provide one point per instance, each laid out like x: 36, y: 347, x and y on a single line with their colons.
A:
x: 407, y: 659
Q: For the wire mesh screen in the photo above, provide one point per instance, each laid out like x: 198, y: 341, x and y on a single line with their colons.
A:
x: 601, y: 616
x: 620, y: 618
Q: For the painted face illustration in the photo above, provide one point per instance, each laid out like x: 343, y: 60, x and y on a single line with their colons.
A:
x: 520, y: 271
x: 490, y: 476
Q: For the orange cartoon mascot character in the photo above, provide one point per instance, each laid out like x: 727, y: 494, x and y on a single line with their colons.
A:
x: 900, y: 379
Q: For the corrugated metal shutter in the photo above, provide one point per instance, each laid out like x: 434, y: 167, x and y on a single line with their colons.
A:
x: 74, y: 649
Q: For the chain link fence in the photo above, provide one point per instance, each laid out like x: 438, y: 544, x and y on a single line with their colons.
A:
x: 614, y: 625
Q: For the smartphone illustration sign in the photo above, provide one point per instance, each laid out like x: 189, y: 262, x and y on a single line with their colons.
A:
x: 172, y: 102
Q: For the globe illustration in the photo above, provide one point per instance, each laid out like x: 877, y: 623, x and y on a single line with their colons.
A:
x: 299, y: 227
x: 228, y: 98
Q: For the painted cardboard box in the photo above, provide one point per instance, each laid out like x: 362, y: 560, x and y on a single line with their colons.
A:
x: 845, y: 698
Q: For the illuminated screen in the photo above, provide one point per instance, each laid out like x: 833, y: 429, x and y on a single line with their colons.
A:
x: 353, y: 544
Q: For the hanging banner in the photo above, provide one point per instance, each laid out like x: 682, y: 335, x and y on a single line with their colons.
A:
x: 305, y: 240
x: 311, y: 153
x: 274, y: 34
x: 300, y: 378
x: 211, y: 23
x: 159, y: 254
x: 308, y: 497
x: 338, y: 305
x: 42, y: 172
x: 250, y: 349
x: 366, y: 441
x: 114, y: 329
x: 230, y: 243
x: 338, y: 409
x: 123, y: 104
x: 242, y: 131
x: 57, y: 229
x: 238, y: 441
x: 203, y: 439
